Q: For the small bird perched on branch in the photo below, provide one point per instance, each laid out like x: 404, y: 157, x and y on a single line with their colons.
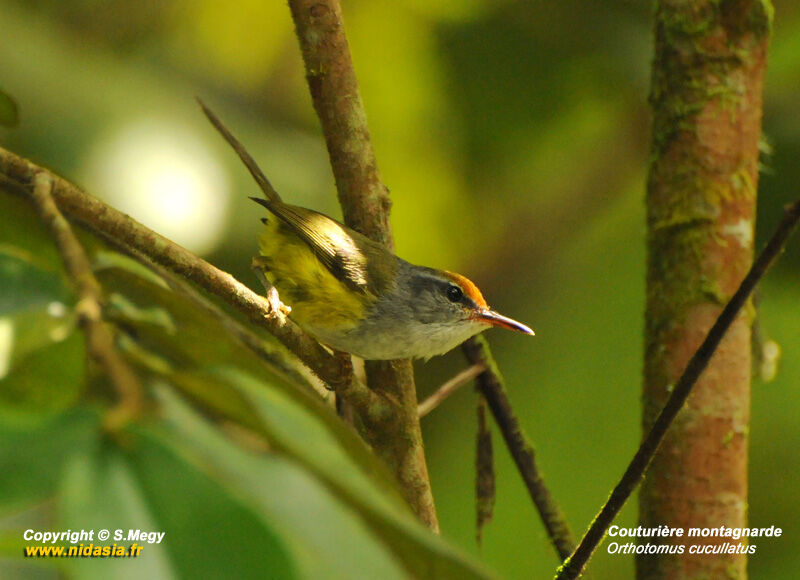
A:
x: 353, y: 294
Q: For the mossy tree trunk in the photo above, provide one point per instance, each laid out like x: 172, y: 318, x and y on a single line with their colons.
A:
x: 708, y: 71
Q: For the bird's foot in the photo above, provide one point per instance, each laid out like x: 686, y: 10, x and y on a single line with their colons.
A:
x: 277, y: 309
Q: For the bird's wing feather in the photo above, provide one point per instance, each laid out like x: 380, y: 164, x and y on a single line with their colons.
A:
x: 333, y: 244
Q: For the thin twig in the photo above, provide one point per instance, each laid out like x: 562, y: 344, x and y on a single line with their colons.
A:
x: 120, y: 229
x: 485, y: 489
x: 490, y: 384
x: 365, y: 205
x: 449, y: 387
x: 99, y: 340
x: 573, y: 565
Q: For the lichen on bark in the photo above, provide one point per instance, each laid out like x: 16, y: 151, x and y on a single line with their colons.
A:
x: 706, y: 97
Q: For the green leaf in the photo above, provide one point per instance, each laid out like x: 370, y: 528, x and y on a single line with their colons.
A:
x: 113, y: 260
x: 120, y: 307
x: 12, y: 544
x: 321, y: 506
x: 9, y: 112
x: 300, y: 426
x: 203, y: 534
x: 32, y: 458
x: 99, y: 492
x: 27, y: 283
x: 151, y: 489
x: 325, y: 536
x: 299, y: 430
x: 165, y: 324
x: 41, y: 352
x: 44, y: 382
x: 24, y: 236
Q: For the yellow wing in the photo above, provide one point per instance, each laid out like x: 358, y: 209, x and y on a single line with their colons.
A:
x: 317, y: 268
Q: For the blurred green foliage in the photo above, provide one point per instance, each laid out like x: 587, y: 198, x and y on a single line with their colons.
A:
x: 9, y: 113
x: 231, y: 433
x: 514, y: 138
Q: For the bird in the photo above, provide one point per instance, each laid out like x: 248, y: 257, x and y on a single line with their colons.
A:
x: 351, y: 293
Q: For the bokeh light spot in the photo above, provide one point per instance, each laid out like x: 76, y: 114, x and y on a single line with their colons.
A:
x: 163, y: 176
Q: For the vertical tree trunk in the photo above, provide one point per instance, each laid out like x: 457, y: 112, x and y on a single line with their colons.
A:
x: 701, y: 197
x: 365, y: 204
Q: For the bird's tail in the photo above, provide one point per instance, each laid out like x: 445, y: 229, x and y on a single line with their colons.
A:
x: 249, y: 162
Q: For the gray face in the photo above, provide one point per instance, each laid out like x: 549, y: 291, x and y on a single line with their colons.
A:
x: 437, y: 299
x: 423, y: 315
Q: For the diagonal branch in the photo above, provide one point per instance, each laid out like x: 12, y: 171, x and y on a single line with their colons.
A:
x: 99, y: 340
x: 276, y: 360
x: 573, y: 566
x: 490, y: 384
x: 121, y: 229
x: 449, y: 387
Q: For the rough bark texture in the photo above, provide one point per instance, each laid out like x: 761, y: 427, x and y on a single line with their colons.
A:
x: 334, y: 89
x: 397, y: 437
x: 701, y: 197
x: 365, y: 202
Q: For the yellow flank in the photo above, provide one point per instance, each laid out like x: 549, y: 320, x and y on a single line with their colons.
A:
x: 317, y: 298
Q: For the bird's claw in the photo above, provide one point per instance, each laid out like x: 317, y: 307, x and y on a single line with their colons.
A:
x: 277, y: 309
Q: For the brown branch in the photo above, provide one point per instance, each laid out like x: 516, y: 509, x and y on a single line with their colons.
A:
x: 485, y: 489
x: 121, y: 229
x: 365, y: 205
x: 334, y: 89
x: 99, y: 339
x: 573, y: 566
x: 490, y: 384
x: 448, y: 388
x: 277, y: 362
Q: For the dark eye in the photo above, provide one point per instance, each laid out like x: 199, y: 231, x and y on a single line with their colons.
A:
x: 454, y: 293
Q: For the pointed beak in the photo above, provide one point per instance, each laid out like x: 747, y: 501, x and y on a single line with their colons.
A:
x: 495, y: 319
